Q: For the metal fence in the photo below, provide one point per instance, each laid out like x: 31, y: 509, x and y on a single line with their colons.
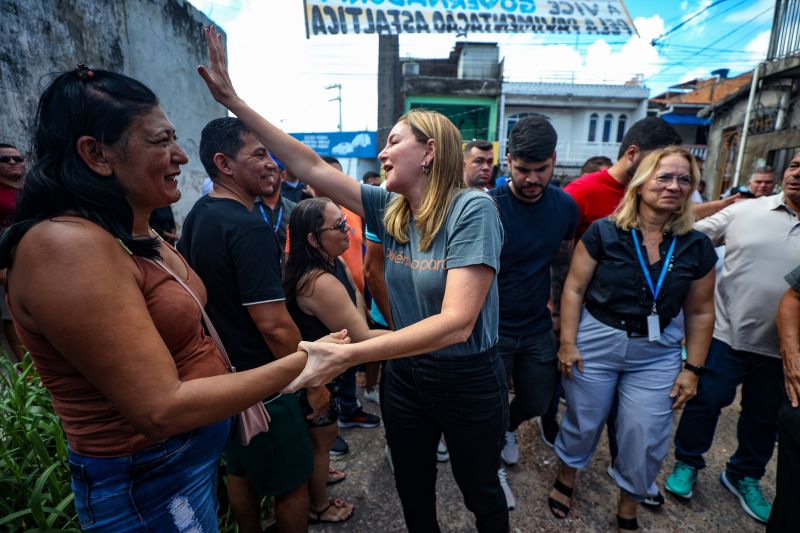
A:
x: 785, y: 38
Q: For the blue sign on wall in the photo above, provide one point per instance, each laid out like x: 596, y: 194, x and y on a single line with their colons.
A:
x: 363, y: 144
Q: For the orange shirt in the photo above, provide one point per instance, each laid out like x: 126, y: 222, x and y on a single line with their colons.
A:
x: 354, y: 255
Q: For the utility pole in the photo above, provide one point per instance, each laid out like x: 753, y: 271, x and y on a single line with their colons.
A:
x: 338, y: 98
x: 390, y: 101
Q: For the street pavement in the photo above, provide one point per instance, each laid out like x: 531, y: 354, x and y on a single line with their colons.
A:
x: 713, y: 509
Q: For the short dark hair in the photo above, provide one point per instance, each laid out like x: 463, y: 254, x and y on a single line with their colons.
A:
x: 222, y: 135
x: 480, y: 144
x: 593, y: 164
x: 532, y: 139
x: 649, y: 134
x: 331, y: 160
x: 102, y: 106
x: 369, y: 174
x: 6, y: 145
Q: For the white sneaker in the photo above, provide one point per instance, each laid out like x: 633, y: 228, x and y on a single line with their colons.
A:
x: 442, y: 455
x: 372, y: 396
x: 510, y: 453
x: 510, y: 501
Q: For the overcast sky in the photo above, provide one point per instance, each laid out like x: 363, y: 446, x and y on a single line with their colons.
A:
x: 283, y: 74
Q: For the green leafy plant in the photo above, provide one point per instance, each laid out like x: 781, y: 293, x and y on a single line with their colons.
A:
x: 35, y: 493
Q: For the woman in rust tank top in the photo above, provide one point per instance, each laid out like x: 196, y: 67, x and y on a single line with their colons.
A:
x: 143, y: 394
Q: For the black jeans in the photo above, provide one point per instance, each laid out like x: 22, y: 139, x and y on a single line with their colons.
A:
x: 466, y: 399
x: 531, y: 361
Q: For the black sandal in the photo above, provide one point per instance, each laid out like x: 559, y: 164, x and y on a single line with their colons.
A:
x: 556, y: 505
x: 628, y: 524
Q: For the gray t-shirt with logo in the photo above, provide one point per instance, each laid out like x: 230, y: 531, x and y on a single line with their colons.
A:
x: 471, y: 235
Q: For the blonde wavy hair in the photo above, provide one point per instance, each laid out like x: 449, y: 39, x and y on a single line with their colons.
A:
x: 626, y: 215
x: 444, y: 180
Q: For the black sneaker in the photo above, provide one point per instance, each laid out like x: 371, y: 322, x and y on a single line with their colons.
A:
x: 339, y: 447
x: 359, y: 419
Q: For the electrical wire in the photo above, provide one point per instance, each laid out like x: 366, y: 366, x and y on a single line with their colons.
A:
x: 654, y: 42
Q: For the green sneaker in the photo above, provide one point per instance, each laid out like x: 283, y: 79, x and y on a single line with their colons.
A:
x: 682, y: 479
x: 748, y: 490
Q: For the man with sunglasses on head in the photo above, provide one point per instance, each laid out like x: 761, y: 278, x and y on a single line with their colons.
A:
x: 12, y: 176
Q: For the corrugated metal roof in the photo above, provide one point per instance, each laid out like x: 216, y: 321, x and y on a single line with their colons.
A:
x: 576, y: 89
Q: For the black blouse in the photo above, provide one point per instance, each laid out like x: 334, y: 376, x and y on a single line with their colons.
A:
x: 311, y: 328
x: 619, y: 285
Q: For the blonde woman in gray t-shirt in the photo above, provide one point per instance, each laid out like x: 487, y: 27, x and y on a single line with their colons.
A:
x: 442, y: 245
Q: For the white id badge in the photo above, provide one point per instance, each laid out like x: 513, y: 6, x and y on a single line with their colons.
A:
x: 653, y: 328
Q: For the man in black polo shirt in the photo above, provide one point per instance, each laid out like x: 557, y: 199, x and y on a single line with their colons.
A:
x: 238, y: 258
x: 538, y: 220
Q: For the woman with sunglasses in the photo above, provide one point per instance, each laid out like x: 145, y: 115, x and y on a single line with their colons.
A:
x: 442, y: 248
x: 320, y: 294
x: 631, y: 276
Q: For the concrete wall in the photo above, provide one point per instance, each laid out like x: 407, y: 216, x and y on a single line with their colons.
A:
x: 158, y: 42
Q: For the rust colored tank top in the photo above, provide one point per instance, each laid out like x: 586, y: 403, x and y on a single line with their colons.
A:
x: 92, y: 424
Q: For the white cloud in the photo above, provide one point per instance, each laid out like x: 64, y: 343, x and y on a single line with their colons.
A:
x: 698, y: 12
x: 695, y: 73
x: 759, y: 44
x: 748, y: 12
x: 283, y: 75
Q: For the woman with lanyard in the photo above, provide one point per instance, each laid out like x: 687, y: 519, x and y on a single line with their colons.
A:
x: 631, y: 276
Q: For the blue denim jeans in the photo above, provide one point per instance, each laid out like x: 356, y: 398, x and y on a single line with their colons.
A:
x: 466, y: 399
x: 170, y: 486
x: 531, y: 361
x: 761, y: 378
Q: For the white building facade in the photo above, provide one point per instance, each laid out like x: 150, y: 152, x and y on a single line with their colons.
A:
x: 590, y: 119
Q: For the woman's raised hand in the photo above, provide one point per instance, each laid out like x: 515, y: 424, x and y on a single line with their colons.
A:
x: 216, y: 74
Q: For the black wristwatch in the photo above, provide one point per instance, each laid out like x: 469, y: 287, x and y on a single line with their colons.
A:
x: 699, y: 370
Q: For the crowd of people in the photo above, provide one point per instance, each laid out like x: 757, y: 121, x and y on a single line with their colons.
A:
x: 612, y: 294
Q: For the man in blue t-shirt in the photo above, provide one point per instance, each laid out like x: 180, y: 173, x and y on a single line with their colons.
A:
x: 539, y: 222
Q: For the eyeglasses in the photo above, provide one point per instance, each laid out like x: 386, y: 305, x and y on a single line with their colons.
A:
x: 683, y: 180
x: 6, y: 159
x: 341, y: 226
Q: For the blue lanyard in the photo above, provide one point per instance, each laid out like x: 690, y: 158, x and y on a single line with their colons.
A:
x: 277, y: 222
x: 647, y: 271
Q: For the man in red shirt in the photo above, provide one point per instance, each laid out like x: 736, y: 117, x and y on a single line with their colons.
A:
x: 597, y: 194
x: 12, y: 176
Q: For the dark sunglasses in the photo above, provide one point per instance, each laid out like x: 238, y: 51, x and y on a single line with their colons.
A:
x: 11, y: 159
x: 341, y: 226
